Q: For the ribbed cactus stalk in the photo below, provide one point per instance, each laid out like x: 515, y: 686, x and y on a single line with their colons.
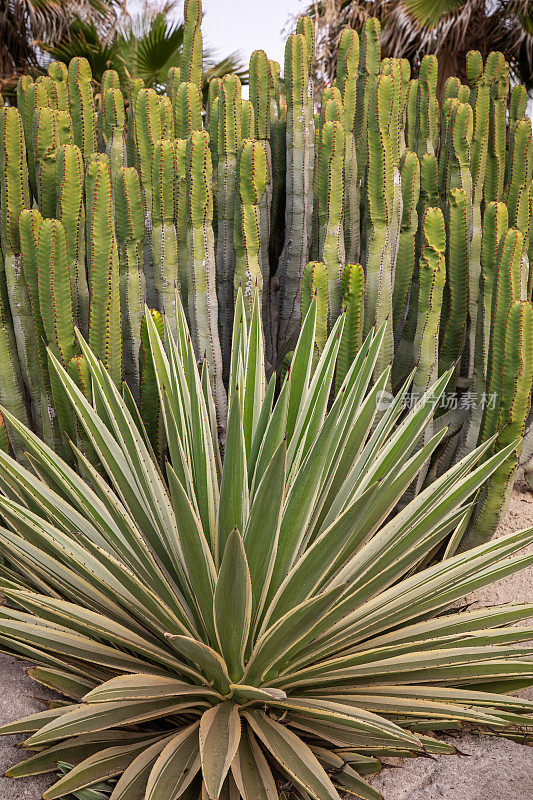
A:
x: 45, y: 143
x: 455, y: 321
x: 30, y: 97
x: 353, y: 291
x: 229, y: 139
x: 432, y: 275
x: 247, y: 120
x: 166, y: 113
x: 315, y: 283
x: 505, y: 292
x: 14, y: 198
x: 517, y: 190
x: 110, y: 80
x: 203, y: 306
x: 427, y: 117
x: 130, y: 236
x: 114, y: 131
x: 173, y: 82
x: 82, y: 108
x: 182, y: 219
x: 251, y: 181
x: 497, y: 76
x: 58, y: 86
x: 70, y: 211
x: 298, y: 209
x: 136, y: 85
x: 147, y: 131
x: 260, y: 82
x: 516, y: 383
x: 187, y: 110
x: 105, y: 336
x: 164, y: 238
x: 346, y: 82
x: 405, y: 262
x: 149, y: 401
x: 480, y: 103
x: 367, y: 76
x: 330, y: 207
x: 378, y: 239
x: 191, y: 54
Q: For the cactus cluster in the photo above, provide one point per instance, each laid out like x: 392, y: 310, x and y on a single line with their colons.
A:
x: 387, y: 205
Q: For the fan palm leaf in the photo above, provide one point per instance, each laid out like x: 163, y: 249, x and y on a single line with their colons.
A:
x: 260, y: 625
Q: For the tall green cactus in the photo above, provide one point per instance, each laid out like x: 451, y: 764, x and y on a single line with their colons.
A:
x: 203, y: 306
x: 330, y: 207
x: 82, y: 107
x: 353, y: 291
x: 164, y: 237
x: 105, y: 336
x: 251, y: 182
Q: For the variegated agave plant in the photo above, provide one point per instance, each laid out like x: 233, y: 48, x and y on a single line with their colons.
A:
x: 263, y: 625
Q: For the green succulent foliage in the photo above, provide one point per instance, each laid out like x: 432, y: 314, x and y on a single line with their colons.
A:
x: 265, y: 628
x: 172, y: 183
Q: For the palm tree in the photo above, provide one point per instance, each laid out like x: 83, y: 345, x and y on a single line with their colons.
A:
x: 142, y: 46
x: 448, y: 28
x: 26, y: 26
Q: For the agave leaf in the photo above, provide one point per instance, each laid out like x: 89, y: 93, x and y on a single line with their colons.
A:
x: 176, y: 766
x: 133, y: 781
x: 234, y: 500
x: 259, y: 435
x: 34, y: 722
x: 102, y: 716
x: 220, y: 734
x: 210, y: 662
x: 66, y: 683
x: 293, y: 755
x: 73, y: 751
x: 262, y: 528
x: 146, y: 687
x: 233, y: 605
x: 106, y: 763
x: 275, y: 434
x: 301, y: 363
x: 251, y: 771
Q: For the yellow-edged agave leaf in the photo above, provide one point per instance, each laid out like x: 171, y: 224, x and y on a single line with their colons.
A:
x: 220, y: 734
x: 133, y: 781
x: 233, y: 605
x: 293, y: 755
x: 100, y: 766
x: 176, y: 766
x: 250, y: 770
x: 271, y: 613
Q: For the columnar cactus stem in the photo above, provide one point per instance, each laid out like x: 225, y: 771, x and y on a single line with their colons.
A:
x: 105, y: 336
x: 182, y: 219
x: 480, y: 103
x: 497, y: 76
x: 330, y: 206
x: 149, y: 401
x: 113, y: 133
x: 164, y: 239
x: 427, y: 123
x: 136, y: 86
x: 517, y: 379
x: 147, y: 130
x: 347, y: 65
x: 203, y: 306
x: 298, y: 210
x: 229, y: 138
x: 517, y: 190
x: 58, y: 73
x: 71, y: 212
x: 130, y: 236
x: 367, y: 76
x: 110, y: 80
x: 187, y: 110
x: 251, y: 180
x: 173, y: 82
x: 191, y: 54
x: 46, y: 141
x: 30, y: 97
x: 247, y: 120
x: 378, y: 233
x: 353, y: 292
x: 14, y: 197
x: 166, y: 112
x: 82, y: 106
x: 432, y: 275
x: 315, y: 283
x: 454, y: 327
x: 405, y: 263
x: 506, y: 290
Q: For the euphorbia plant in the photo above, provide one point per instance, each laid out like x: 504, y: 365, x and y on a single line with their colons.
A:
x: 260, y: 624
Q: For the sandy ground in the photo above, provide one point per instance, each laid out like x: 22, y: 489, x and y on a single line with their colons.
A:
x: 486, y: 767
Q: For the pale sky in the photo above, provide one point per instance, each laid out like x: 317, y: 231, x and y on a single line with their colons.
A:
x: 249, y: 25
